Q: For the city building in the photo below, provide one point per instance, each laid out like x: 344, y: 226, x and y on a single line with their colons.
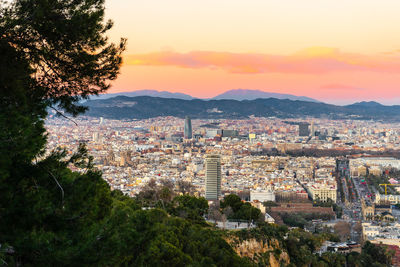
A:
x: 188, y: 128
x: 381, y: 234
x: 262, y: 195
x: 303, y: 129
x: 322, y: 192
x: 392, y: 199
x: 312, y: 129
x: 213, y: 177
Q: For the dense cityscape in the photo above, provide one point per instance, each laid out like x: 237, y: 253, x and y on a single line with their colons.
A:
x: 262, y: 160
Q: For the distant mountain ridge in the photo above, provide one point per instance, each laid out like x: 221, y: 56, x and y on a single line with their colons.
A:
x: 142, y: 107
x: 154, y: 93
x: 247, y: 94
x: 367, y: 104
x: 235, y: 94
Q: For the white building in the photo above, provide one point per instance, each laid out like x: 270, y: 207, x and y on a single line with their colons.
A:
x: 262, y: 195
x: 393, y: 199
x: 322, y: 192
x: 213, y: 177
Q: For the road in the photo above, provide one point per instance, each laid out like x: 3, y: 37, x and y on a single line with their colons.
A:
x: 352, y: 205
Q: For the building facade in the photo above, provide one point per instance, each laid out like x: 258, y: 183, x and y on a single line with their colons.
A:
x: 322, y: 192
x: 188, y: 128
x: 213, y: 177
x: 262, y: 195
x: 304, y: 129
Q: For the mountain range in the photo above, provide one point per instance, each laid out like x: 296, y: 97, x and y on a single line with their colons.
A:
x: 154, y: 93
x: 246, y: 94
x: 235, y: 94
x: 142, y: 107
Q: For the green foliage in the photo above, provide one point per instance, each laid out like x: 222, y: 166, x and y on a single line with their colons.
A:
x: 264, y: 231
x: 64, y: 41
x: 373, y: 255
x: 247, y: 212
x: 58, y: 207
x: 302, y: 219
x: 332, y: 260
x: 189, y: 207
x: 21, y: 111
x: 232, y: 201
x: 155, y: 194
x: 241, y: 210
x: 301, y: 245
x: 152, y: 238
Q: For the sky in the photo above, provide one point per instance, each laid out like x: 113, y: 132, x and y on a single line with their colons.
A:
x: 336, y: 51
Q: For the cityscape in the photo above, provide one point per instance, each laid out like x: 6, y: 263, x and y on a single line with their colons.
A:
x: 352, y: 165
x: 200, y: 133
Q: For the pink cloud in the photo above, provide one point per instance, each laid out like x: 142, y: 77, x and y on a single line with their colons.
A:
x: 316, y: 60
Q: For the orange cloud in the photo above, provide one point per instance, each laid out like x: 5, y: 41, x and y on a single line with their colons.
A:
x: 315, y: 60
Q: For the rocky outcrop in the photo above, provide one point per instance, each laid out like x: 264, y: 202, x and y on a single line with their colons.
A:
x: 265, y: 251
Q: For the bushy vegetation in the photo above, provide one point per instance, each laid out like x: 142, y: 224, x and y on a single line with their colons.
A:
x: 301, y: 219
x: 301, y: 247
x: 241, y: 210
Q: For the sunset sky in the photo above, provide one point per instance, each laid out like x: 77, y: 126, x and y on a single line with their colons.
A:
x: 337, y: 51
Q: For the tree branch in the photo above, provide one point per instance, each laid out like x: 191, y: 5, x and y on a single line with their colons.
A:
x: 62, y: 115
x: 62, y: 190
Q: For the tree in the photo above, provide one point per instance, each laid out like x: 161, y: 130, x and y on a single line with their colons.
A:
x: 52, y: 55
x: 214, y: 212
x: 156, y: 193
x: 372, y: 254
x: 240, y: 210
x: 247, y: 212
x: 232, y: 201
x: 64, y: 43
x: 189, y: 207
x: 228, y: 212
x: 342, y: 229
x: 22, y: 133
x: 166, y: 191
x: 185, y: 187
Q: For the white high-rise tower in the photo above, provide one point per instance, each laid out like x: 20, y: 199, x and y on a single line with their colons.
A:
x: 213, y: 177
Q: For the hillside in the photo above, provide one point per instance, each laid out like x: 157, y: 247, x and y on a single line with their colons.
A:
x: 153, y: 93
x: 142, y: 107
x: 247, y: 94
x: 234, y: 94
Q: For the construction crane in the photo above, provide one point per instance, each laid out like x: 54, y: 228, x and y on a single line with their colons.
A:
x: 385, y: 185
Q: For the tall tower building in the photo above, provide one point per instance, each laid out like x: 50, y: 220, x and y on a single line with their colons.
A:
x: 303, y: 129
x: 188, y: 128
x: 312, y: 129
x: 213, y: 177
